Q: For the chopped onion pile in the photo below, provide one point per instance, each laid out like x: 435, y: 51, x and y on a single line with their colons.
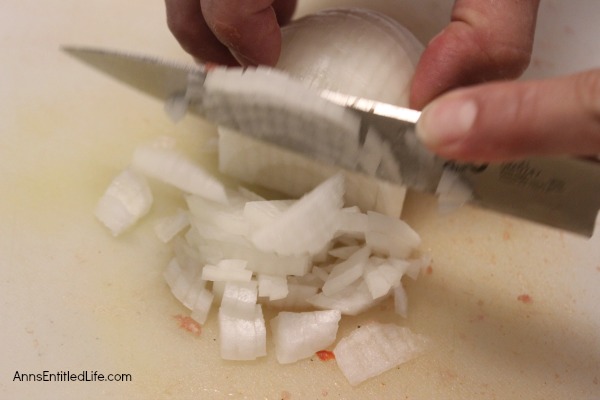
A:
x: 242, y: 252
x: 338, y: 249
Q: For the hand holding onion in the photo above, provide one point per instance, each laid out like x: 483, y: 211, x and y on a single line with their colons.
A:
x: 485, y: 41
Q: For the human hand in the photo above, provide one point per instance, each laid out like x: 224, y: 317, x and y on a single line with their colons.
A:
x: 492, y: 40
x: 485, y: 41
x: 230, y: 32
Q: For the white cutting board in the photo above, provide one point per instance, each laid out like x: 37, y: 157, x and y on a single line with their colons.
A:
x: 75, y: 299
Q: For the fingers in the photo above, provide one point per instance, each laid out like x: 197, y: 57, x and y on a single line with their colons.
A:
x: 250, y: 29
x: 187, y: 24
x: 510, y: 120
x: 485, y: 40
x: 230, y: 31
x: 284, y: 9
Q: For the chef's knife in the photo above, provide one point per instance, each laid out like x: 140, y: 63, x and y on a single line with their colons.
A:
x: 378, y: 139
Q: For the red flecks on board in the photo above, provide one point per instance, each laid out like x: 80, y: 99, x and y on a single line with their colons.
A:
x: 429, y: 270
x: 525, y: 298
x: 188, y: 324
x: 285, y: 395
x: 325, y: 355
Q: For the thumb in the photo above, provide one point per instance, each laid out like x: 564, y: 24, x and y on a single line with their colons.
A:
x: 502, y: 121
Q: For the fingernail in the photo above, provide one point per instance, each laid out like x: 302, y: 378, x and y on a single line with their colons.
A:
x: 444, y: 122
x: 243, y: 59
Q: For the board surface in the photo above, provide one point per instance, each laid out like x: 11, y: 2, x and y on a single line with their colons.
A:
x: 512, y: 308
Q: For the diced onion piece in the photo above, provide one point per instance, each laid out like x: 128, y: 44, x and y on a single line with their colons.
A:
x: 273, y: 287
x: 377, y: 283
x: 190, y: 289
x: 343, y: 252
x: 308, y: 279
x: 178, y: 281
x: 354, y: 224
x: 168, y: 227
x: 227, y: 270
x: 297, y: 298
x: 452, y: 192
x: 125, y: 201
x: 202, y: 306
x: 375, y: 348
x: 400, y: 301
x: 227, y: 218
x: 239, y: 299
x: 320, y: 273
x: 262, y: 213
x: 300, y: 335
x: 346, y: 272
x: 172, y: 168
x: 218, y: 288
x: 352, y: 300
x: 391, y: 236
x: 242, y: 338
x: 390, y: 199
x: 415, y: 266
x: 176, y: 107
x: 187, y: 256
x: 248, y: 194
x: 308, y: 225
x: 381, y: 275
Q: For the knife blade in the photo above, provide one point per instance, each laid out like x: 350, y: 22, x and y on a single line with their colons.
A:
x: 362, y: 135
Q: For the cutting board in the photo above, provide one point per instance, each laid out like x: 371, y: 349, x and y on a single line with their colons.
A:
x: 511, y: 307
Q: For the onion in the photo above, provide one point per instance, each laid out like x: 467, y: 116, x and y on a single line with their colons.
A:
x: 273, y: 287
x: 306, y: 226
x: 190, y: 289
x: 301, y: 335
x: 452, y: 192
x: 227, y: 270
x: 170, y: 167
x: 126, y: 200
x: 351, y: 300
x: 168, y: 227
x: 343, y: 252
x: 400, y: 301
x: 242, y: 338
x: 390, y: 237
x: 297, y: 298
x: 375, y: 348
x: 346, y: 272
x: 239, y: 299
x: 361, y: 52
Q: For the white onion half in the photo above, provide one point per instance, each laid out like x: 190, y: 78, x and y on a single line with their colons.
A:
x: 360, y: 52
